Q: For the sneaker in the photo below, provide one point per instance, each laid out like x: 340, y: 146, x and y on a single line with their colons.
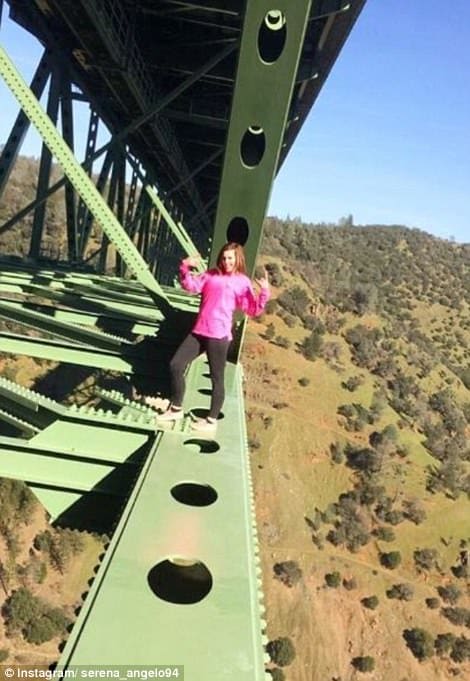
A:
x: 171, y: 415
x: 153, y: 402
x: 204, y: 426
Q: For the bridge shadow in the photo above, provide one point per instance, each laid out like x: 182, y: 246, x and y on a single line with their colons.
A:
x: 99, y: 510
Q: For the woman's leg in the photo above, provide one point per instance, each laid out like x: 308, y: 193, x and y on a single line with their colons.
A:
x: 189, y: 349
x: 217, y: 350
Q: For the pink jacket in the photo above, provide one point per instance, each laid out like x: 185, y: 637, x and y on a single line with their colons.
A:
x: 221, y: 295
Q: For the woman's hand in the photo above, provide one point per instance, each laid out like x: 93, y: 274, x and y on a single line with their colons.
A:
x: 263, y: 282
x: 192, y: 261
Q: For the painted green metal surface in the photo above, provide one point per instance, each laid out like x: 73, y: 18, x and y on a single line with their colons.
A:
x: 72, y: 452
x: 260, y: 105
x: 218, y: 636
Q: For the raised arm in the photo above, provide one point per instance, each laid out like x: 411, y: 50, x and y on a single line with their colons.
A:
x: 252, y: 304
x: 191, y: 282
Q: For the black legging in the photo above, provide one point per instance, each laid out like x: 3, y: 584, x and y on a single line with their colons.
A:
x: 192, y: 346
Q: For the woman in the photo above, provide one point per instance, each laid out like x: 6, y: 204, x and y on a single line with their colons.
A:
x: 223, y: 290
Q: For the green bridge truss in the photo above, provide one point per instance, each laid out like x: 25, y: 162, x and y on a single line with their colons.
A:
x: 200, y: 102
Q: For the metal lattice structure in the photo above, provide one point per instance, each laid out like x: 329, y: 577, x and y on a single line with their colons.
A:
x: 200, y: 101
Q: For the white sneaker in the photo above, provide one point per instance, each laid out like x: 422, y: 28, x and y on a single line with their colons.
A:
x: 171, y: 415
x: 204, y: 426
x: 153, y: 402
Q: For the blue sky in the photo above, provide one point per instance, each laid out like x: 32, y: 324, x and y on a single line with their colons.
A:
x: 388, y: 139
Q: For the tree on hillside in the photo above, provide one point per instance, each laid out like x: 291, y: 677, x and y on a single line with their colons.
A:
x: 363, y: 664
x: 17, y: 503
x: 449, y: 593
x: 365, y: 460
x: 370, y: 602
x: 288, y: 572
x: 420, y: 642
x: 414, y: 511
x: 281, y: 651
x: 425, y: 559
x: 311, y: 346
x: 460, y: 649
x: 458, y: 616
x: 295, y: 300
x: 390, y: 560
x: 403, y: 592
x: 33, y: 617
x: 275, y: 274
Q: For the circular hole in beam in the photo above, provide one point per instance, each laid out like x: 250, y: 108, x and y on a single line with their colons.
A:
x: 180, y: 580
x: 194, y: 494
x: 205, y: 446
x: 253, y: 146
x: 238, y: 231
x: 202, y: 413
x: 272, y: 36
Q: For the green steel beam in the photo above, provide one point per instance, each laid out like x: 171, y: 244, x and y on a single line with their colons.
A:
x: 230, y: 615
x: 63, y: 352
x: 79, y: 179
x: 270, y: 50
x: 14, y: 311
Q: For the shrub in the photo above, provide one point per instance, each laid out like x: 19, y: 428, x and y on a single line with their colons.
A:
x: 311, y: 346
x: 385, y: 534
x: 461, y: 649
x: 450, y: 593
x: 17, y: 504
x: 48, y: 625
x: 420, y: 642
x: 304, y: 381
x: 33, y: 617
x: 425, y: 559
x: 414, y: 511
x: 281, y: 651
x: 390, y: 560
x: 4, y: 652
x: 282, y: 341
x: 443, y: 643
x: 353, y: 383
x: 363, y: 664
x: 459, y: 616
x: 275, y: 274
x: 333, y: 579
x: 43, y: 541
x: 370, y: 602
x: 432, y: 603
x: 288, y: 572
x: 403, y: 592
x: 295, y: 300
x: 394, y: 517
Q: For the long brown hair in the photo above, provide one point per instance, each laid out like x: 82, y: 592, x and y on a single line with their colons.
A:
x: 239, y: 257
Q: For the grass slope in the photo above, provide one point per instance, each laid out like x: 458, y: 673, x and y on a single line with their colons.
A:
x: 291, y: 429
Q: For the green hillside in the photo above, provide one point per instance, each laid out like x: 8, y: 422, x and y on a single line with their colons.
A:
x: 357, y: 389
